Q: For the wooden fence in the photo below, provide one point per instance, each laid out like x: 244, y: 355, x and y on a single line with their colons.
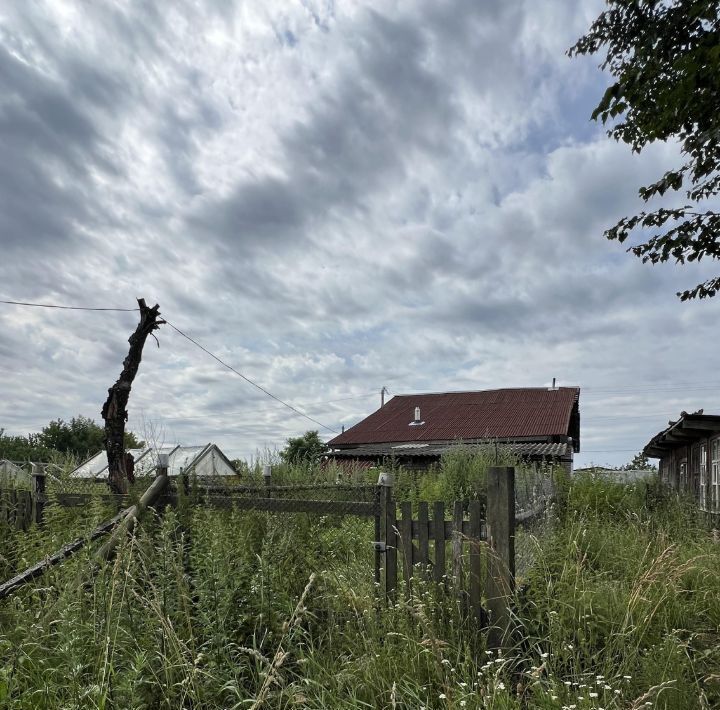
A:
x: 466, y: 547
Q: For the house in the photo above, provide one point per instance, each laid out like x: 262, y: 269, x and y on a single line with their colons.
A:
x: 201, y: 461
x: 689, y: 453
x: 537, y: 423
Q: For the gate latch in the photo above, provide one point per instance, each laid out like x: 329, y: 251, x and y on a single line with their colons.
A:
x: 379, y: 546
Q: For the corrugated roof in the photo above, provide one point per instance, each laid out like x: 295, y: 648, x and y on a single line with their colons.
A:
x: 686, y: 430
x: 448, y: 416
x: 416, y: 450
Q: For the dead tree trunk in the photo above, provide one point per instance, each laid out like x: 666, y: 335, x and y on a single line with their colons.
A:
x: 114, y: 411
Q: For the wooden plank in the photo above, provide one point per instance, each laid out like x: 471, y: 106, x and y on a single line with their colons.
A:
x: 450, y: 525
x: 130, y: 519
x: 278, y: 505
x: 528, y: 516
x: 377, y: 562
x: 27, y: 509
x: 291, y: 505
x: 457, y: 546
x: 406, y: 544
x: 475, y: 560
x: 276, y: 490
x: 501, y: 564
x: 391, y: 543
x: 439, y: 538
x: 14, y: 508
x: 423, y: 536
x: 417, y: 529
x: 38, y: 494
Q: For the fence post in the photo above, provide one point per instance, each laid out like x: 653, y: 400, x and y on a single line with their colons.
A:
x: 501, y: 565
x: 389, y: 536
x: 163, y: 463
x: 38, y: 493
x: 378, y: 540
x: 267, y: 474
x: 407, y: 545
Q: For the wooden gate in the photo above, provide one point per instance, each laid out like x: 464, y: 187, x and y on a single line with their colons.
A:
x: 487, y: 529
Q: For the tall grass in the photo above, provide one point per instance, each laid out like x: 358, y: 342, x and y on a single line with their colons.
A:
x: 210, y: 609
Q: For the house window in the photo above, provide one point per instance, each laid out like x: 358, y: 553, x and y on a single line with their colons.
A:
x: 715, y: 475
x: 703, y: 476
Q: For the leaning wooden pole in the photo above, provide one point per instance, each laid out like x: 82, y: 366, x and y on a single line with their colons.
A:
x: 62, y: 554
x: 127, y: 525
x: 123, y: 523
x: 114, y: 411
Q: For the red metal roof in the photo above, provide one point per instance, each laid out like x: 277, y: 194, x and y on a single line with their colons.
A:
x: 448, y: 416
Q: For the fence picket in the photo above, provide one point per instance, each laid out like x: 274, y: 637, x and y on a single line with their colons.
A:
x: 423, y: 536
x: 475, y: 560
x: 391, y: 542
x: 457, y: 548
x: 406, y: 543
x: 439, y: 538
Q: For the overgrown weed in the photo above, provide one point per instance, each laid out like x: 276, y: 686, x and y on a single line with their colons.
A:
x: 207, y: 609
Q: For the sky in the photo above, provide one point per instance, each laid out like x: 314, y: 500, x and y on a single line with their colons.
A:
x: 332, y: 197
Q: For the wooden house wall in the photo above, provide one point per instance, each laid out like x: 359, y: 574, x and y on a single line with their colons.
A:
x: 671, y: 467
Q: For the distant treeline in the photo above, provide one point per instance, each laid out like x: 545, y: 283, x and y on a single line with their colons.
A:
x: 80, y: 437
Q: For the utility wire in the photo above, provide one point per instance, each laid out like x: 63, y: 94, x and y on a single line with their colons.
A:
x: 185, y: 335
x: 248, y: 380
x: 65, y: 308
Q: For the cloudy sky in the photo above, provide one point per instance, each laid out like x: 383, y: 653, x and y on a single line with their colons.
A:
x: 332, y: 197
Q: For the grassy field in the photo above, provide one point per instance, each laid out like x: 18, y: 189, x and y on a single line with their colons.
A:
x: 209, y: 609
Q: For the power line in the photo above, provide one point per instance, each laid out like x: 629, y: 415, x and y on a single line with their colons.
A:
x: 248, y: 380
x: 66, y: 308
x: 194, y: 342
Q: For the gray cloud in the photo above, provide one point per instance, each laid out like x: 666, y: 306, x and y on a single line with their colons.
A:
x: 331, y: 198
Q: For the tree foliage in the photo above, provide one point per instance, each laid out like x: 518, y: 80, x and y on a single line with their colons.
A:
x: 23, y: 448
x: 305, y: 448
x: 80, y: 437
x: 639, y: 462
x: 665, y: 59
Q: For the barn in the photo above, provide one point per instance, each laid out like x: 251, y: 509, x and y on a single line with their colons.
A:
x: 201, y: 461
x: 537, y: 423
